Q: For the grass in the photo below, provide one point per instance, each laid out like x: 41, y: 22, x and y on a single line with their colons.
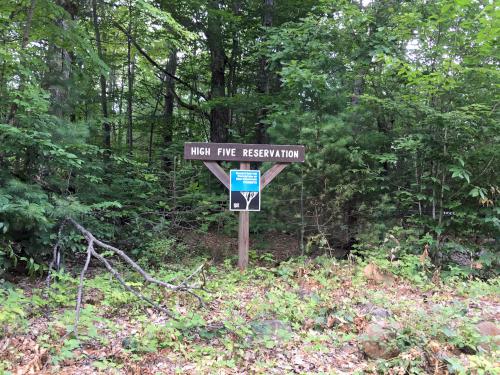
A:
x: 302, y: 316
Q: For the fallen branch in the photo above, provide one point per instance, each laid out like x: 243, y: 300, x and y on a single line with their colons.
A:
x: 90, y: 250
x: 93, y: 242
x: 56, y: 254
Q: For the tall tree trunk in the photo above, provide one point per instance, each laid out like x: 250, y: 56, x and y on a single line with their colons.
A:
x: 59, y: 63
x: 219, y: 113
x: 106, y: 126
x: 358, y: 88
x: 130, y: 94
x: 168, y: 130
x: 264, y: 79
x: 57, y: 80
x: 24, y: 44
x: 119, y: 138
x: 151, y: 130
x: 233, y: 61
x: 443, y: 177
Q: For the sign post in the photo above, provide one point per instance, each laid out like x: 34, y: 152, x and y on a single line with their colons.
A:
x: 245, y: 185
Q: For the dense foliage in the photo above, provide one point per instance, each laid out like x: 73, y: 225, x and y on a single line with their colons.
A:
x: 396, y: 102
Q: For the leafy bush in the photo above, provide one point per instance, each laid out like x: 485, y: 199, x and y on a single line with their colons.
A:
x: 13, y: 310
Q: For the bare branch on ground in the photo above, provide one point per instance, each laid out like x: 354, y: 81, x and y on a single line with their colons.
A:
x: 93, y: 242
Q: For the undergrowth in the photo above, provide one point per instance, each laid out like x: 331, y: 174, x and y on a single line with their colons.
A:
x: 308, y: 307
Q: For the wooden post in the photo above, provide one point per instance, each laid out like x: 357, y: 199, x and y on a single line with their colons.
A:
x: 243, y: 232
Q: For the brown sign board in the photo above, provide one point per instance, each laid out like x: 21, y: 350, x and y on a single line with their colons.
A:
x: 243, y: 152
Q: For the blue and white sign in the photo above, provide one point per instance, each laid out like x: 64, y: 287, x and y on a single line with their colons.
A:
x: 244, y: 192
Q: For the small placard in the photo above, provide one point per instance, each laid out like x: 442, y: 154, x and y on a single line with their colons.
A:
x: 244, y: 192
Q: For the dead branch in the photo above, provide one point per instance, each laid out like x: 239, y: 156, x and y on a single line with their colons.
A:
x: 79, y: 296
x: 56, y: 253
x: 132, y: 290
x: 93, y: 242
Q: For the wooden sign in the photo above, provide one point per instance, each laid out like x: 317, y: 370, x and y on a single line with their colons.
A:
x: 248, y: 186
x: 243, y: 152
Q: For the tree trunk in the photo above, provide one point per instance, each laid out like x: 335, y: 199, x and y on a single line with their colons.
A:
x: 263, y: 81
x: 168, y: 130
x: 24, y: 44
x: 59, y: 63
x: 443, y: 177
x: 130, y: 95
x: 219, y: 113
x: 233, y: 61
x: 151, y: 131
x: 106, y: 127
x: 119, y: 138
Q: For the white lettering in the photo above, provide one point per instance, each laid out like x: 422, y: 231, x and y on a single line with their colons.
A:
x: 231, y: 152
x: 245, y: 152
x: 195, y: 151
x: 219, y: 150
x: 266, y: 153
x: 296, y: 154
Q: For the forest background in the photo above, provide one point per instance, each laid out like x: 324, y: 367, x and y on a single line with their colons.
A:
x: 395, y: 101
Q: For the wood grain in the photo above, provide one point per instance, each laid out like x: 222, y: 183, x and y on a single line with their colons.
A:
x: 218, y: 172
x: 271, y: 174
x: 244, y: 152
x: 243, y: 232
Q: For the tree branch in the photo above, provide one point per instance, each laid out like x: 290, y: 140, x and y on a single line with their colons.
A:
x: 56, y: 250
x: 91, y: 252
x: 156, y: 65
x: 132, y: 290
x: 191, y: 107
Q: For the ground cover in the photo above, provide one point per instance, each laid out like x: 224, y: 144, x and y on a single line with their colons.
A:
x: 301, y: 316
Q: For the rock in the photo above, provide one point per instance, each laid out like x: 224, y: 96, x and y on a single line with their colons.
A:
x: 373, y: 273
x: 490, y: 333
x: 462, y: 258
x: 93, y: 297
x: 380, y: 312
x: 378, y: 340
x: 375, y: 311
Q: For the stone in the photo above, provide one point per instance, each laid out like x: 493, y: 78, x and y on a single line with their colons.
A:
x: 373, y: 273
x: 380, y: 312
x: 378, y: 340
x: 93, y: 296
x: 374, y: 311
